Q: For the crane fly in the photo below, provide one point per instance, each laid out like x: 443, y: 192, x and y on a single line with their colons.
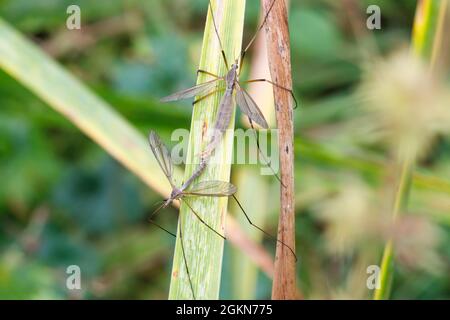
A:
x: 245, y: 102
x: 204, y: 188
x: 190, y: 188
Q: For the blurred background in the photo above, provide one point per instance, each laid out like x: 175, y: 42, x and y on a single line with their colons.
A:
x: 65, y: 201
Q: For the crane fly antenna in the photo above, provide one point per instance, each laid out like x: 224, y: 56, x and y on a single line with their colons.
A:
x: 217, y: 34
x: 262, y: 230
x: 156, y: 210
x: 158, y: 203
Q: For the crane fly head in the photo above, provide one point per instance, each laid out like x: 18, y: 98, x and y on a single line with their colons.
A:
x: 176, y: 193
x: 235, y: 65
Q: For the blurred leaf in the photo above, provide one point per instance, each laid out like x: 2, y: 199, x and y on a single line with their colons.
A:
x: 101, y: 200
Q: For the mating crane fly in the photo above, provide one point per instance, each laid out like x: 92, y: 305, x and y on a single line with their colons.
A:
x: 205, y: 188
x: 245, y: 102
x: 191, y: 188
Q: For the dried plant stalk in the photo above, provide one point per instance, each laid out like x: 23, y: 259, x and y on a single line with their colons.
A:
x: 278, y: 50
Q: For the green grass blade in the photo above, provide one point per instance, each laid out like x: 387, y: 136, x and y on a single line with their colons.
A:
x: 67, y: 95
x: 203, y: 248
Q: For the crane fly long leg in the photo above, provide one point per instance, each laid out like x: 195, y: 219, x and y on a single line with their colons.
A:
x: 203, y: 221
x: 184, y: 258
x: 206, y: 96
x: 212, y: 188
x: 276, y: 85
x: 208, y: 73
x: 267, y: 162
x: 254, y: 38
x: 218, y: 37
x: 251, y: 109
x: 262, y: 230
x: 209, y: 189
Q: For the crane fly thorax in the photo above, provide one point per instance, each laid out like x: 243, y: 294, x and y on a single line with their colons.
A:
x: 176, y: 193
x: 232, y: 77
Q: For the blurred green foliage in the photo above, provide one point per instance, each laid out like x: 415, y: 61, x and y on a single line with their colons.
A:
x: 64, y: 201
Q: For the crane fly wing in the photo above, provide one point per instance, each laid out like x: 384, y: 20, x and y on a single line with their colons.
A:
x: 161, y: 154
x: 211, y: 189
x: 199, y: 89
x: 250, y: 108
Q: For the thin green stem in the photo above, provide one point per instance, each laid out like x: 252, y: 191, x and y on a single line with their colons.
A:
x: 387, y: 265
x: 427, y: 36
